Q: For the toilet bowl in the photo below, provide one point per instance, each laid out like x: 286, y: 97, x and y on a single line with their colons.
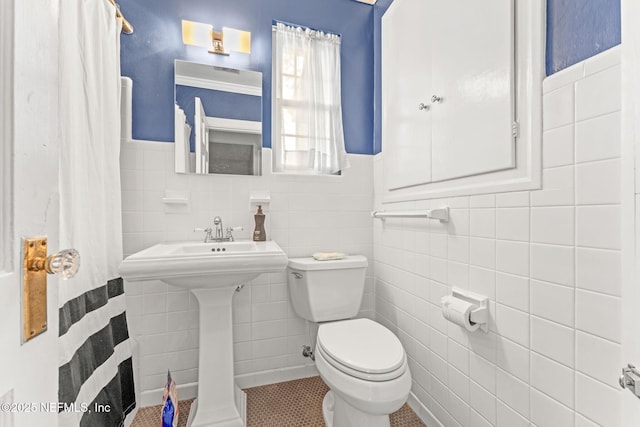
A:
x: 362, y: 362
x: 365, y: 366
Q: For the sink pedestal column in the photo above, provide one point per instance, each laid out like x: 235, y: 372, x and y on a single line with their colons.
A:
x: 216, y: 404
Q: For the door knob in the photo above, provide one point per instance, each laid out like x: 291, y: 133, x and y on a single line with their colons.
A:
x: 423, y: 106
x: 36, y: 266
x: 65, y: 263
x: 436, y: 99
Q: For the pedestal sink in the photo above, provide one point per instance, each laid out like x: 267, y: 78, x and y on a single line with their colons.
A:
x: 212, y: 271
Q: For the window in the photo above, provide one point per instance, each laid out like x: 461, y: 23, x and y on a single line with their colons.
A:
x: 307, y: 112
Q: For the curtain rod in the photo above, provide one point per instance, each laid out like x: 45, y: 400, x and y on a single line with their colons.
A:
x: 127, y: 28
x: 304, y: 27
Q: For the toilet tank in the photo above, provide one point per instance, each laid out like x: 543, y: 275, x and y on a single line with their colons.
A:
x: 322, y: 291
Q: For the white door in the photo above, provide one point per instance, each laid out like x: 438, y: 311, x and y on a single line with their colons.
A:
x: 181, y: 149
x: 406, y: 84
x: 29, y: 194
x: 447, y: 90
x: 201, y: 138
x: 473, y: 69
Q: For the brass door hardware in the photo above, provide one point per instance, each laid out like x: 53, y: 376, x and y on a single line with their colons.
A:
x: 36, y: 266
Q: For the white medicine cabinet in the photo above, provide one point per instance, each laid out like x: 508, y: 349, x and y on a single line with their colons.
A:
x: 461, y: 97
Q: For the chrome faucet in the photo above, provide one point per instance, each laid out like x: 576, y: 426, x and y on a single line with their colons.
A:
x: 219, y: 237
x: 217, y: 221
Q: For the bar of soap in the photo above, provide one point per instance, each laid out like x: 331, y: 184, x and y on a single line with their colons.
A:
x: 326, y: 256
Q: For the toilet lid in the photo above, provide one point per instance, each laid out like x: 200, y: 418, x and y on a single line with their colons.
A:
x: 362, y: 345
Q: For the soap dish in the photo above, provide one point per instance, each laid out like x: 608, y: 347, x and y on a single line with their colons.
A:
x: 328, y: 256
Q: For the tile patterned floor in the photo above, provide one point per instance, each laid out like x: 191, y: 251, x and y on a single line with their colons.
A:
x: 295, y: 403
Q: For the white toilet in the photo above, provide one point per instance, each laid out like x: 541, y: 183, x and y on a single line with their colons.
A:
x: 362, y: 362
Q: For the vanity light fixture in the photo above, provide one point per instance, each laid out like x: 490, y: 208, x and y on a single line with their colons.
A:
x: 219, y: 42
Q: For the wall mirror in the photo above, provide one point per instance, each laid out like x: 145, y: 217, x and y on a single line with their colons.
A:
x: 218, y: 119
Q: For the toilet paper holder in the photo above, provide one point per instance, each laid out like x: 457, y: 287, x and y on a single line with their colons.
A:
x: 480, y: 314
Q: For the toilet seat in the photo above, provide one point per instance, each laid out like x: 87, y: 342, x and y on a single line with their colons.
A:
x: 363, y: 349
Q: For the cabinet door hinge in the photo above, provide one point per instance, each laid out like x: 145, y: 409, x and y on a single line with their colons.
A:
x: 630, y: 379
x: 515, y: 130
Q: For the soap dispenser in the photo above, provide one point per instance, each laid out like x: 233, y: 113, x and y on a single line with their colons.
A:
x: 259, y: 235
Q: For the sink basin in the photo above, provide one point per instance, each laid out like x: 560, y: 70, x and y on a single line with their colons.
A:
x: 194, y: 265
x: 212, y: 272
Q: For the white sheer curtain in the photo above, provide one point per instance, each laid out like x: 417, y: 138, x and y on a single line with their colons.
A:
x: 307, y: 114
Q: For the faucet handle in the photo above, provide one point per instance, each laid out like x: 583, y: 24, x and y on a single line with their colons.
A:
x: 207, y: 236
x: 230, y: 231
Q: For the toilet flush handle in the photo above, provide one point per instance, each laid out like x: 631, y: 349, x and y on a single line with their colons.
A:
x: 296, y: 275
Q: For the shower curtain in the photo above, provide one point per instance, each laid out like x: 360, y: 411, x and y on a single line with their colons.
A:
x: 95, y: 385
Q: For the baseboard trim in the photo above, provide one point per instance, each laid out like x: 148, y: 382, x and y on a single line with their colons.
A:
x: 254, y: 379
x: 425, y: 415
x: 273, y: 376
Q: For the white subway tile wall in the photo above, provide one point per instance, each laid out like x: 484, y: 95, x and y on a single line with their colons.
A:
x: 306, y: 215
x: 549, y: 260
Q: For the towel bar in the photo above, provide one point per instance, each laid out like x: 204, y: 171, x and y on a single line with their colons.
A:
x: 441, y: 214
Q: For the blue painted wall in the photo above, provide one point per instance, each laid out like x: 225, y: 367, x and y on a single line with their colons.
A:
x: 580, y: 29
x: 148, y: 55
